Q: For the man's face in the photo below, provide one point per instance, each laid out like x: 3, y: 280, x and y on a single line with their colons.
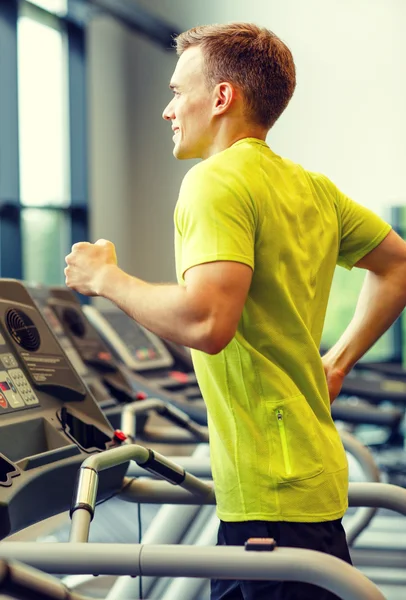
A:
x: 190, y: 109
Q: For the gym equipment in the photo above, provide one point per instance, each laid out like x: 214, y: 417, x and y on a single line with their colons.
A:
x: 48, y: 420
x: 66, y: 425
x: 229, y: 562
x: 166, y: 364
x: 25, y: 583
x: 111, y: 382
x: 375, y: 389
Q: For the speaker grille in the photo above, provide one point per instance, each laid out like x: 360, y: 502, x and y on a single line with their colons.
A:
x: 74, y: 321
x: 22, y: 330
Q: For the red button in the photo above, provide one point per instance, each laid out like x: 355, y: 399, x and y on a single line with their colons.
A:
x: 3, y: 401
x: 119, y: 435
x: 179, y: 376
x: 141, y: 396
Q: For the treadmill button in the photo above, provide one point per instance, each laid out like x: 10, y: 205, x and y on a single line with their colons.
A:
x: 15, y: 400
x: 8, y: 360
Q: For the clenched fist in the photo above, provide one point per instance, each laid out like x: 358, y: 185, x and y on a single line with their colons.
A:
x: 88, y: 266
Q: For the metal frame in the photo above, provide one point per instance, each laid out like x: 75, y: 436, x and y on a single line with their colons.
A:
x: 77, y: 70
x: 232, y: 562
x: 24, y: 583
x: 10, y: 232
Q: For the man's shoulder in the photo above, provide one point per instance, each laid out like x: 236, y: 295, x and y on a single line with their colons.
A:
x: 318, y: 177
x: 321, y: 183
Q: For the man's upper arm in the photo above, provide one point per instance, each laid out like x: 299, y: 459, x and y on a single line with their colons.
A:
x: 389, y: 254
x: 219, y: 289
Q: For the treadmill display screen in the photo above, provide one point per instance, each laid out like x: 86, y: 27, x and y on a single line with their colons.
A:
x: 138, y: 343
x: 4, y: 386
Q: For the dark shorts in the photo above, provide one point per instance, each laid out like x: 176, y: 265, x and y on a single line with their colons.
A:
x: 328, y: 537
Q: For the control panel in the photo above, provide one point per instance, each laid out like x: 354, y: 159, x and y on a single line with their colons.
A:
x: 137, y: 347
x: 85, y: 339
x: 49, y: 422
x: 16, y: 388
x: 113, y: 372
x: 165, y: 364
x: 71, y: 339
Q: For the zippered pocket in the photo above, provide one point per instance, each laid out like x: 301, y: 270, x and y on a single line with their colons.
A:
x: 284, y: 441
x: 295, y: 446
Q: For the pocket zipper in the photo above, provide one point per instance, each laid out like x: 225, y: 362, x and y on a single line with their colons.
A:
x: 284, y: 441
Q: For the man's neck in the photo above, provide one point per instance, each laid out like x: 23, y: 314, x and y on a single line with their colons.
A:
x: 226, y: 138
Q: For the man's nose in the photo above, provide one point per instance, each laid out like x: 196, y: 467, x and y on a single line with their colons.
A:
x: 168, y: 113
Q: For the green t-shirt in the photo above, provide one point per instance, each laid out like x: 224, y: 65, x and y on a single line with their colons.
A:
x: 275, y: 451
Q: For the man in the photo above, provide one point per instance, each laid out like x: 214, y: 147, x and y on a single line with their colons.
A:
x: 257, y: 241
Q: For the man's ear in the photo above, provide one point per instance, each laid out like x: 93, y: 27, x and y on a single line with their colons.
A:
x: 224, y: 96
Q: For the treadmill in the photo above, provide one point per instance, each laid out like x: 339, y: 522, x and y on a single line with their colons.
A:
x: 164, y: 363
x: 49, y: 422
x: 111, y: 382
x: 51, y: 427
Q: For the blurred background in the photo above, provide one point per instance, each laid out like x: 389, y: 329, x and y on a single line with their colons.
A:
x: 85, y: 153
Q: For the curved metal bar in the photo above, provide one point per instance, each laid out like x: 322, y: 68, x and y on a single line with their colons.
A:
x: 84, y: 498
x: 19, y: 581
x: 364, y: 457
x: 383, y: 495
x: 227, y: 562
x: 197, y: 466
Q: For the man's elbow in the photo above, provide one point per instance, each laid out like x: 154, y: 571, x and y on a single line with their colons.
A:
x: 215, y: 339
x: 213, y: 346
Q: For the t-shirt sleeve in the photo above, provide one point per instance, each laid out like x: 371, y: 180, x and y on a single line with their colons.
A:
x: 361, y: 231
x: 215, y: 218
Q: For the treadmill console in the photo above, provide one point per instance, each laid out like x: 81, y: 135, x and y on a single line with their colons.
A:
x: 41, y: 296
x: 115, y: 374
x: 23, y: 340
x: 167, y: 365
x: 138, y: 348
x: 108, y: 377
x: 49, y: 422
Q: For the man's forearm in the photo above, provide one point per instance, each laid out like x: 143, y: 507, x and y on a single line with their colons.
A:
x: 381, y: 301
x: 164, y: 309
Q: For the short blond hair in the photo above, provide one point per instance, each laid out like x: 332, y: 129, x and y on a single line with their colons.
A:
x: 253, y: 59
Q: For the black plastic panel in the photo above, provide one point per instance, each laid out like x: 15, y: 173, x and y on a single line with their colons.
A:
x: 41, y: 452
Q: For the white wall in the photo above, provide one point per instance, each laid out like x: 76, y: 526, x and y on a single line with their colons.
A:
x: 109, y: 140
x: 156, y: 174
x: 134, y: 178
x: 346, y: 119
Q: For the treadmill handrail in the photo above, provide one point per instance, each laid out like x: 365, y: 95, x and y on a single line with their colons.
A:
x: 22, y: 582
x: 227, y: 562
x: 365, y: 459
x: 84, y: 497
x: 380, y: 495
x: 172, y: 413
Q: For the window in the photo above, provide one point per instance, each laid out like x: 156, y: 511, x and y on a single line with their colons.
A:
x: 45, y: 127
x: 43, y: 112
